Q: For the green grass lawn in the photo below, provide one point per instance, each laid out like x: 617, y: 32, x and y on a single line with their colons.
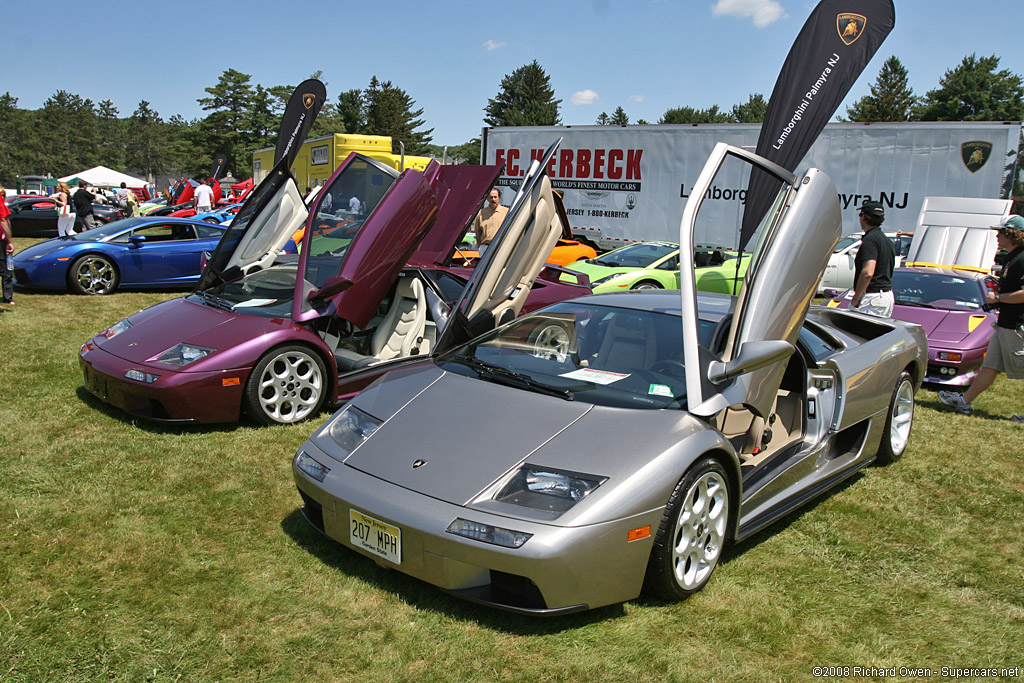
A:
x: 131, y: 551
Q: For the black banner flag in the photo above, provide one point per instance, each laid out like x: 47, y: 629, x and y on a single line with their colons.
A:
x: 298, y: 118
x: 218, y: 165
x: 834, y: 46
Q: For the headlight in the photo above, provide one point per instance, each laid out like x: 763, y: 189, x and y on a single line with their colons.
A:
x: 310, y: 466
x: 352, y: 427
x: 140, y: 376
x: 543, y: 488
x: 606, y: 278
x: 116, y: 329
x: 478, y: 531
x: 183, y: 354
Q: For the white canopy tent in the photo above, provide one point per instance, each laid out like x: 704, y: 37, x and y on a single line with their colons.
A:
x: 101, y: 176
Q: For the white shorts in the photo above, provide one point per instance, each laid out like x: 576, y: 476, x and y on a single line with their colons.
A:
x: 878, y: 304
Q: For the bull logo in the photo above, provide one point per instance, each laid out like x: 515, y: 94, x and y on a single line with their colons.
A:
x: 308, y: 99
x: 850, y: 26
x: 974, y: 154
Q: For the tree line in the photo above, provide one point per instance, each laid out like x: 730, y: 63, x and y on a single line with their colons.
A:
x: 70, y: 133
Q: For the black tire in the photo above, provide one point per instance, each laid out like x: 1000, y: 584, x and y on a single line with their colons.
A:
x: 898, y: 421
x: 647, y: 284
x: 93, y: 274
x: 692, y: 533
x: 289, y: 384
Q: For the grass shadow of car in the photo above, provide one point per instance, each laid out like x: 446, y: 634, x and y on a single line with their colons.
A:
x: 422, y: 595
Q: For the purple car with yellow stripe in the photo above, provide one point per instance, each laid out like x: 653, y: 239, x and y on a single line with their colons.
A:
x: 950, y: 305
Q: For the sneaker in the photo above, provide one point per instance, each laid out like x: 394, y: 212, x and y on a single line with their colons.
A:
x: 955, y: 400
x: 1019, y: 419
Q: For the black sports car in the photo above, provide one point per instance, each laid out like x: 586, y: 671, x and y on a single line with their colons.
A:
x: 37, y: 216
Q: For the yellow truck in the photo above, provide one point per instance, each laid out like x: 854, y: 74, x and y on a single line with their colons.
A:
x: 319, y: 157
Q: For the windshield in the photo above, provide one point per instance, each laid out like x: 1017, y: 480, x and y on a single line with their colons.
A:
x: 600, y: 354
x: 636, y: 255
x: 264, y: 293
x: 936, y: 290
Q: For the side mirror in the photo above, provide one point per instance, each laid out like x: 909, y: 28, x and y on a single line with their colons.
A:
x: 752, y: 356
x: 137, y: 240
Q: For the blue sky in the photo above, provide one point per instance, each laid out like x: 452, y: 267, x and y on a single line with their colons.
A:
x: 643, y: 55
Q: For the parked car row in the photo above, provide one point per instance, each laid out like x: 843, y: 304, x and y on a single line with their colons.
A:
x: 619, y: 441
x: 37, y: 216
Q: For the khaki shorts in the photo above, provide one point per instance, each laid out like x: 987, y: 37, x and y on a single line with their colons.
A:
x: 1006, y: 353
x: 878, y: 304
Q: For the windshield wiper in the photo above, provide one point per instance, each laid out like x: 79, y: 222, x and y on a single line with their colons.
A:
x: 216, y: 302
x: 915, y: 304
x: 513, y: 378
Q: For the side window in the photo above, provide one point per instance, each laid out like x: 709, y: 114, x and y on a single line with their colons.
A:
x: 166, y: 233
x: 671, y: 264
x: 208, y: 232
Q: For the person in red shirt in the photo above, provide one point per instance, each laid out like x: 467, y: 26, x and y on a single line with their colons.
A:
x: 7, y: 245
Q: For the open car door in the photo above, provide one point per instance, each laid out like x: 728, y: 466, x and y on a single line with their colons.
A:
x: 502, y: 279
x: 361, y: 230
x: 953, y: 232
x: 260, y: 230
x: 793, y: 243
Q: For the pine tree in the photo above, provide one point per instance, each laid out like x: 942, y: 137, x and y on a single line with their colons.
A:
x: 146, y: 148
x: 975, y: 91
x: 602, y: 119
x: 618, y: 118
x: 229, y: 126
x: 389, y: 112
x: 68, y: 123
x: 891, y: 97
x: 352, y: 111
x: 111, y: 136
x: 691, y: 115
x: 751, y: 111
x: 525, y: 99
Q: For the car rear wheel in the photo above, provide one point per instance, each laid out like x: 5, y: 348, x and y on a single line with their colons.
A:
x: 287, y: 385
x: 898, y: 421
x: 93, y: 274
x: 646, y: 284
x: 692, y: 532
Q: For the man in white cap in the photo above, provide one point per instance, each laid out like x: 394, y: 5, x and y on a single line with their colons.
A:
x: 1006, y: 347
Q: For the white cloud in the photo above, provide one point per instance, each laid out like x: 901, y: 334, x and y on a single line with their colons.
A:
x: 587, y: 96
x: 493, y: 45
x: 763, y: 12
x: 636, y: 98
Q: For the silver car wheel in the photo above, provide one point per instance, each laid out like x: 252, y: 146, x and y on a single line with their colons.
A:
x: 901, y: 416
x: 700, y: 531
x: 898, y: 421
x: 290, y: 386
x: 551, y: 343
x: 647, y: 284
x: 94, y: 275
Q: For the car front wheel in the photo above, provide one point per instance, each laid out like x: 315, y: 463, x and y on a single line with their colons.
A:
x: 93, y: 274
x: 646, y: 284
x: 898, y: 421
x: 287, y: 385
x: 692, y: 532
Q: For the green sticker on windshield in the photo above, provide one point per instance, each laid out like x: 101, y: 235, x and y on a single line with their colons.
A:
x: 659, y: 390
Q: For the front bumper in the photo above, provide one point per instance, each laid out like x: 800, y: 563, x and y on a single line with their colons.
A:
x: 953, y: 373
x: 559, y: 570
x: 177, y: 397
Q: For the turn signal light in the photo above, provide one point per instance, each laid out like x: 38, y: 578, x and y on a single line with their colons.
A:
x: 637, y: 534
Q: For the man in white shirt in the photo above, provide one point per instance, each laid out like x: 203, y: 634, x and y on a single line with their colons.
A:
x: 203, y: 199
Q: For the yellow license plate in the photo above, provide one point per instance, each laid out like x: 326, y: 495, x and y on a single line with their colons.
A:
x: 375, y: 536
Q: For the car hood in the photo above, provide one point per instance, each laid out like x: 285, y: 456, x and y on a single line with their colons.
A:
x: 480, y: 447
x: 160, y: 327
x: 948, y: 327
x: 44, y: 248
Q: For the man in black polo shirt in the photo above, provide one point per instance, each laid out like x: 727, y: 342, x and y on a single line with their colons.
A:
x: 1006, y: 347
x: 876, y: 256
x: 83, y: 207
